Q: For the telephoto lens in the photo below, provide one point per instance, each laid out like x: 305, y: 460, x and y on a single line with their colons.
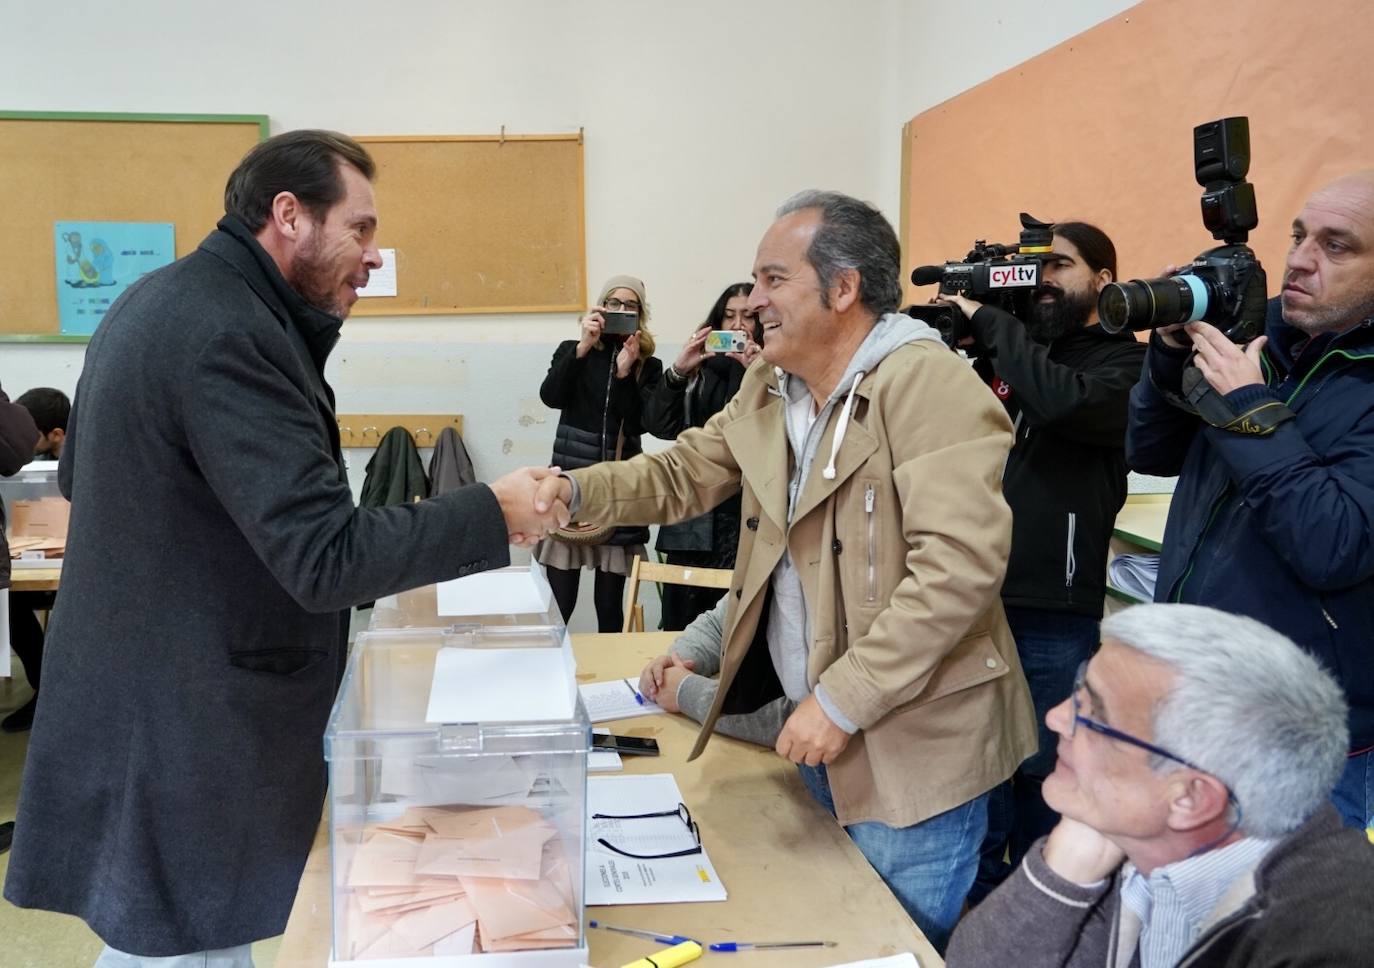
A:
x: 1148, y: 303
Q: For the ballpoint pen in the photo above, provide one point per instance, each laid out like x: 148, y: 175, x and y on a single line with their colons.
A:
x: 641, y: 933
x: 633, y: 691
x: 761, y: 945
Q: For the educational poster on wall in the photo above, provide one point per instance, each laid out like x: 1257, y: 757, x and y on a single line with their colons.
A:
x: 96, y: 261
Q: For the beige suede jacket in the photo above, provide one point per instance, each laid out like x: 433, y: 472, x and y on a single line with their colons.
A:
x: 900, y: 554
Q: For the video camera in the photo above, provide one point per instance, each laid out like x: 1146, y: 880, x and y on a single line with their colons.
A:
x: 991, y: 273
x: 1224, y: 286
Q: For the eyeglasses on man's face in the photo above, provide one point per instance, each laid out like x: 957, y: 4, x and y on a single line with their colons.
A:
x: 622, y: 305
x: 682, y: 813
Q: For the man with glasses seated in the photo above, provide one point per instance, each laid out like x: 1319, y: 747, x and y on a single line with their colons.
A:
x: 1196, y: 756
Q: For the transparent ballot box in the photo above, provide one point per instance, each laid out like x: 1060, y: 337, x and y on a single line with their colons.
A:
x: 457, y: 800
x: 515, y: 595
x: 36, y: 515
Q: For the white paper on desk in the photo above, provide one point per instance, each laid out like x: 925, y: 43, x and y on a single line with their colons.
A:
x: 615, y: 699
x: 1136, y: 575
x: 382, y: 281
x: 500, y: 685
x: 907, y: 960
x: 496, y: 593
x: 615, y: 879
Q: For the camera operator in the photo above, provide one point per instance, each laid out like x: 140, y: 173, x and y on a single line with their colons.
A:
x: 1065, y: 383
x: 1273, y: 511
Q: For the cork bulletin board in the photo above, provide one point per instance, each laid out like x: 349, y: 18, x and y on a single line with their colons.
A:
x: 103, y: 167
x: 480, y: 224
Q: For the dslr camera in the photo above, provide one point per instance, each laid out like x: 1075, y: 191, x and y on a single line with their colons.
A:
x: 994, y: 274
x: 1224, y: 286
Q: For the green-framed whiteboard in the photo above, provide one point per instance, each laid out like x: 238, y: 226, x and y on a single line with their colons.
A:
x: 94, y: 167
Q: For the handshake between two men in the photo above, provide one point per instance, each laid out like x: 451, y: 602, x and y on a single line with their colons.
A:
x: 532, y: 503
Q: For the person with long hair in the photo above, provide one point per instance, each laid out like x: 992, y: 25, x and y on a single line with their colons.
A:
x: 694, y: 388
x: 598, y: 383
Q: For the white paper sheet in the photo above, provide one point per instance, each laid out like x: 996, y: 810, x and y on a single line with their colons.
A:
x: 500, y: 685
x: 907, y: 960
x: 615, y: 699
x: 496, y: 593
x: 615, y: 879
x: 382, y: 282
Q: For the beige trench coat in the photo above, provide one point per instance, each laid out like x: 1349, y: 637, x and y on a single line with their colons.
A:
x: 901, y: 556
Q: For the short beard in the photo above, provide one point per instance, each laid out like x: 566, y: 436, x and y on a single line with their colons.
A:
x: 313, y: 277
x: 1064, y: 314
x: 1331, y: 319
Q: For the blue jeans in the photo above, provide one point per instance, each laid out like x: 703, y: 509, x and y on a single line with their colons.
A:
x: 1354, y: 793
x: 929, y: 866
x: 1051, y: 646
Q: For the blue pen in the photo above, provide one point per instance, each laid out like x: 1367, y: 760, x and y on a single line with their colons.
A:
x: 640, y: 933
x: 761, y: 945
x: 633, y: 691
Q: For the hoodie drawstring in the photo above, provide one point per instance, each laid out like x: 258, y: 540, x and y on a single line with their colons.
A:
x: 841, y: 427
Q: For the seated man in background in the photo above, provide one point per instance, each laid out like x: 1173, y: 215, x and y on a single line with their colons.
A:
x: 1196, y: 756
x: 684, y: 681
x: 50, y: 409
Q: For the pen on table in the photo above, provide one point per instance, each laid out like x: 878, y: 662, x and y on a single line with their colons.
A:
x: 761, y: 945
x: 633, y: 691
x: 641, y: 933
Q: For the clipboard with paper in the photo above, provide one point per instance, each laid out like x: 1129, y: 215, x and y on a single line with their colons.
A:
x: 643, y: 846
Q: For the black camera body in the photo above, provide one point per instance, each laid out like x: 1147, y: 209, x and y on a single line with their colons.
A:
x: 994, y: 274
x: 1224, y: 286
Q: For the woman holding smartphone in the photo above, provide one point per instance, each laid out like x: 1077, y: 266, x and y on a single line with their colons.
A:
x: 598, y: 383
x: 698, y: 384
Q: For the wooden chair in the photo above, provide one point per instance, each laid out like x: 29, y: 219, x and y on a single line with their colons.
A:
x: 655, y: 571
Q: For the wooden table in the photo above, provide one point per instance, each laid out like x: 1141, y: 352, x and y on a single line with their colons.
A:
x: 791, y: 871
x: 35, y: 579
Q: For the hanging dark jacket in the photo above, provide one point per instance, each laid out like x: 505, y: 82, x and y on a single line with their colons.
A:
x: 394, y: 472
x: 175, y: 773
x: 1276, y: 527
x: 668, y: 411
x: 450, y: 467
x: 1066, y: 476
x: 18, y: 436
x: 593, y: 405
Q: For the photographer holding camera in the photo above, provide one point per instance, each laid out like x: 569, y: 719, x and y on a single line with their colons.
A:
x: 1273, y: 515
x: 1065, y: 384
x: 598, y: 383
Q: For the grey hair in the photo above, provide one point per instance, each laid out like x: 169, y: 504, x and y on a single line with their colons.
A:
x: 1247, y: 705
x: 852, y: 235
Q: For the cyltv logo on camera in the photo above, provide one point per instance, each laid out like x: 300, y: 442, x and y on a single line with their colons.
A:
x: 1013, y: 276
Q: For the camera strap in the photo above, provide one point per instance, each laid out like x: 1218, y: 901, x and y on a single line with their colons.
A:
x: 1201, y: 398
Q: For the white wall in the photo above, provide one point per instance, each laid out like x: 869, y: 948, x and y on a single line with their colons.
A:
x: 700, y: 118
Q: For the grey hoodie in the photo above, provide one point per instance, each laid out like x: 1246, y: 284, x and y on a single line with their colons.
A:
x: 789, y: 617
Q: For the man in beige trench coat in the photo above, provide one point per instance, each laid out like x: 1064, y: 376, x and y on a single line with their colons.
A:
x: 875, y: 539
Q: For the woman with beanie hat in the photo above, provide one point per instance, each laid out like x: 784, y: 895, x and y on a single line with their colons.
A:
x: 599, y: 384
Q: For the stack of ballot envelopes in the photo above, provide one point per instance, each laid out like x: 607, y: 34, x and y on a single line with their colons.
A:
x: 454, y: 880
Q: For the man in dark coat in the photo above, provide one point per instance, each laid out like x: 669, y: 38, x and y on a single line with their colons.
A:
x: 175, y: 774
x: 1272, y: 514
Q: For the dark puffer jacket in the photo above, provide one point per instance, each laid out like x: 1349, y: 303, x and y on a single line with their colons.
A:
x: 668, y: 411
x: 594, y: 405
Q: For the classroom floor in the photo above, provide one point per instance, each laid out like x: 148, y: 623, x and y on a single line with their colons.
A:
x: 39, y: 939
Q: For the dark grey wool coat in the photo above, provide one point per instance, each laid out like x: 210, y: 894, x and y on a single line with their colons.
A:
x: 175, y: 773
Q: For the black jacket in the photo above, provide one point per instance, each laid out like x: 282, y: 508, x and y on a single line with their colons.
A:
x: 669, y: 411
x: 594, y: 405
x: 214, y: 546
x: 1066, y: 476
